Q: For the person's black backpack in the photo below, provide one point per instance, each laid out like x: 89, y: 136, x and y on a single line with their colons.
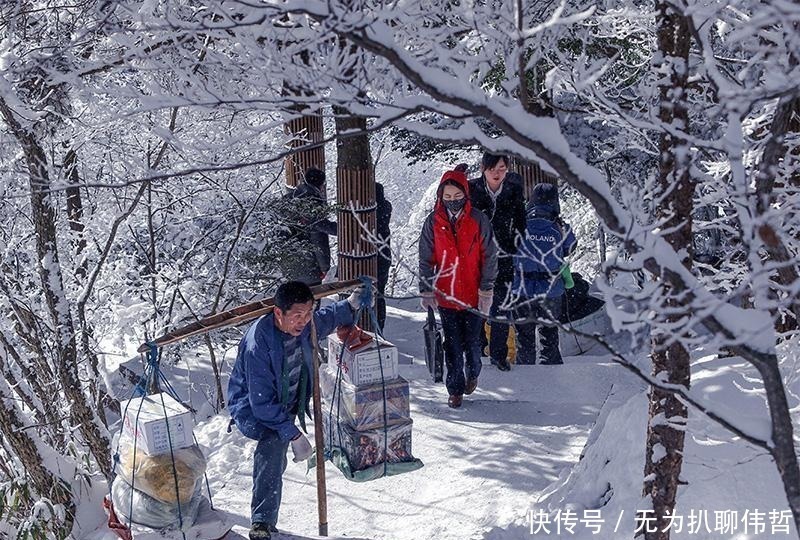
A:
x: 578, y: 303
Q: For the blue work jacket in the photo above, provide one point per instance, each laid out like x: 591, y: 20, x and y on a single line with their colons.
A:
x: 541, y: 254
x: 258, y: 388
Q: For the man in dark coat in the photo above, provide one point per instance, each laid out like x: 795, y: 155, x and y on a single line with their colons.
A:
x: 383, y: 217
x: 538, y: 288
x: 310, y: 257
x: 499, y: 194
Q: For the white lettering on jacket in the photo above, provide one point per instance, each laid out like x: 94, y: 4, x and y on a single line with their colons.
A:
x: 542, y: 238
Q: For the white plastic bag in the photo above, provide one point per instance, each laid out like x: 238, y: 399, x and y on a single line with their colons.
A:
x: 150, y: 512
x: 154, y: 475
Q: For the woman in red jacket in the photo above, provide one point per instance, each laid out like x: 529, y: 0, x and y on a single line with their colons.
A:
x: 457, y: 269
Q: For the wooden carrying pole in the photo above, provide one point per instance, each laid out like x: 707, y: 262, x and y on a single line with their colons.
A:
x: 319, y: 441
x: 242, y: 314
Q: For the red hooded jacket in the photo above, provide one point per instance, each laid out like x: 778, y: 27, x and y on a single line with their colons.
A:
x: 457, y: 259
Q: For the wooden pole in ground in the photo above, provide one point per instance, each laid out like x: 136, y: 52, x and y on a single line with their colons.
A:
x: 319, y: 442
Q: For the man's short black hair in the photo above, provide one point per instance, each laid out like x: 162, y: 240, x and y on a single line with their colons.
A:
x: 291, y: 293
x: 488, y: 160
x: 315, y: 177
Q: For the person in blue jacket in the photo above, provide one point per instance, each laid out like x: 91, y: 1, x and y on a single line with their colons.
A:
x: 271, y: 385
x: 538, y: 287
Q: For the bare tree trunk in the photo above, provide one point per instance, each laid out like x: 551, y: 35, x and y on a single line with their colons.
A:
x: 151, y: 253
x: 19, y: 389
x: 667, y: 414
x: 785, y: 122
x: 49, y: 406
x: 43, y: 215
x: 602, y: 249
x: 86, y: 330
x: 355, y: 185
x: 220, y: 401
x: 304, y: 130
x: 44, y: 483
x: 75, y: 209
x: 782, y: 448
x: 27, y: 326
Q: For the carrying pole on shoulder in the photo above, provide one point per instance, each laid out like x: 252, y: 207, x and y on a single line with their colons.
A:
x: 241, y: 314
x: 319, y: 443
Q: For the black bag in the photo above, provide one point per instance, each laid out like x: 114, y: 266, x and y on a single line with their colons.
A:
x: 434, y: 350
x: 578, y: 303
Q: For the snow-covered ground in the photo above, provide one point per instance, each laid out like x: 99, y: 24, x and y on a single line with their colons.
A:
x: 514, y: 458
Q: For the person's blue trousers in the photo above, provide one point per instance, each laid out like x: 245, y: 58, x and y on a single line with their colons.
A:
x: 269, y: 463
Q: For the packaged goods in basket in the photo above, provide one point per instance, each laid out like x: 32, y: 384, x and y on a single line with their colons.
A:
x: 364, y: 364
x: 362, y: 407
x: 156, y: 475
x: 146, y: 420
x: 367, y: 448
x: 134, y: 506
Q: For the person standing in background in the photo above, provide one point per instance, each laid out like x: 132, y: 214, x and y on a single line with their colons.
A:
x: 457, y: 270
x: 499, y: 194
x: 538, y: 287
x: 383, y: 218
x: 310, y: 257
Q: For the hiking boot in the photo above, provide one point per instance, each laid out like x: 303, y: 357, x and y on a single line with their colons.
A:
x: 503, y: 365
x: 262, y: 531
x: 472, y: 384
x: 455, y: 400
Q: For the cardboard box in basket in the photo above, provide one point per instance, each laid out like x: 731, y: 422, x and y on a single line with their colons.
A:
x: 370, y: 447
x: 362, y: 407
x: 363, y: 365
x: 149, y: 429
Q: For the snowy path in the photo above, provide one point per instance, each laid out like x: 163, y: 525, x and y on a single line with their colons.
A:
x: 485, y: 463
x: 516, y: 443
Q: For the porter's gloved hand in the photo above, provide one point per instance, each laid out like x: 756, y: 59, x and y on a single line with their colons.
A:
x: 357, y: 295
x: 485, y: 299
x: 301, y: 448
x: 428, y: 300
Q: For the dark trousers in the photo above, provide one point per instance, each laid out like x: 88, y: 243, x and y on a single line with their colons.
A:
x: 498, y: 343
x: 380, y: 306
x: 462, y: 354
x: 269, y: 463
x: 380, y: 302
x: 527, y: 333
